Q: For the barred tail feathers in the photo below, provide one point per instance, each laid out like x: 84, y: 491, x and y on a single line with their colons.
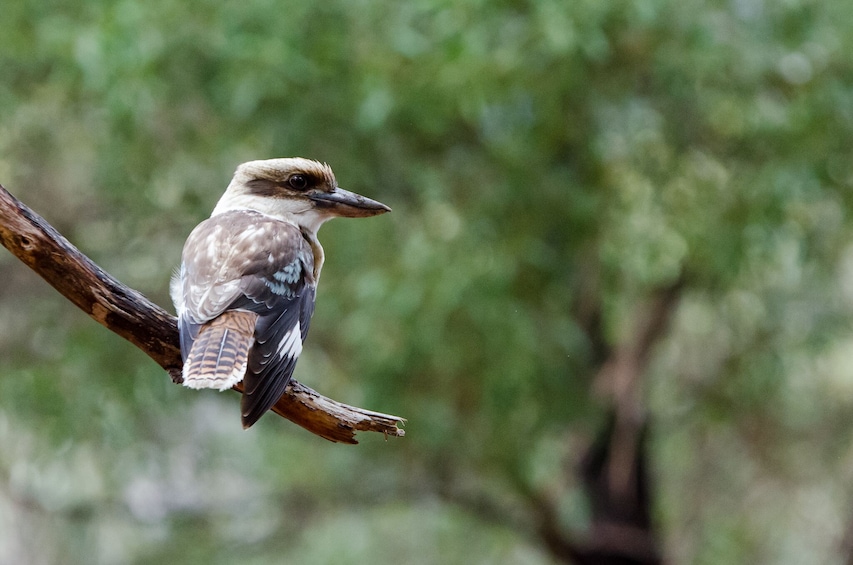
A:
x: 220, y: 352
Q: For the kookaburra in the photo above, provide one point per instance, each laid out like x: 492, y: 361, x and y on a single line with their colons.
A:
x: 245, y: 290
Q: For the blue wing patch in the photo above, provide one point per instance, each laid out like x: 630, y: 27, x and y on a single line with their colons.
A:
x: 283, y: 281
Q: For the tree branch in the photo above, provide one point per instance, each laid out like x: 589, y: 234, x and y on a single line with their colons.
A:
x: 153, y: 330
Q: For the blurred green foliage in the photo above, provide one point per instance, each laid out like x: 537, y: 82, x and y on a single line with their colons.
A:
x: 544, y: 160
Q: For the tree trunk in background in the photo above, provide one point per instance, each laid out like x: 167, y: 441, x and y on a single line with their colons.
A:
x: 614, y: 471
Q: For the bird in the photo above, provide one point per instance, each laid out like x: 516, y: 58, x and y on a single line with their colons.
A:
x: 245, y: 289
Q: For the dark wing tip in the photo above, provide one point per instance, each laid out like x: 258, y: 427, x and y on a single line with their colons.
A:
x: 249, y: 413
x: 253, y: 408
x: 248, y: 422
x: 260, y: 393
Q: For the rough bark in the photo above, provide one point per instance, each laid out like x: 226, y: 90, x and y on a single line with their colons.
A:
x: 153, y: 330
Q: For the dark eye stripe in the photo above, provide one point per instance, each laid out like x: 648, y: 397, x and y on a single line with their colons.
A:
x: 266, y: 187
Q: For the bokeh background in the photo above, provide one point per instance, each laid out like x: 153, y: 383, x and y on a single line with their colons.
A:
x: 614, y: 298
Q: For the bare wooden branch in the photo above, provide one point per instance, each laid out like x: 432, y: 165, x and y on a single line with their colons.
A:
x: 153, y: 330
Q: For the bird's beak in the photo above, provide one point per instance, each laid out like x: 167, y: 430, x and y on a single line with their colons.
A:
x: 348, y: 204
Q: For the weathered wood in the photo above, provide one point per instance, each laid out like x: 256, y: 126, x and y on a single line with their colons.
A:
x: 153, y: 330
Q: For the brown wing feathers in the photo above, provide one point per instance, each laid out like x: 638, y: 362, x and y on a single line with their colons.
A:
x: 220, y: 352
x: 249, y: 281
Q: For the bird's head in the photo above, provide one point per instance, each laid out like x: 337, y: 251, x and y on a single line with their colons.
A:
x: 294, y: 189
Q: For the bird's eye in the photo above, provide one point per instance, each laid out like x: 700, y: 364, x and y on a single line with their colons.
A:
x: 298, y: 182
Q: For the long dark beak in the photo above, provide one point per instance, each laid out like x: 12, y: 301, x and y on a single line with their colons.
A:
x: 348, y: 204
